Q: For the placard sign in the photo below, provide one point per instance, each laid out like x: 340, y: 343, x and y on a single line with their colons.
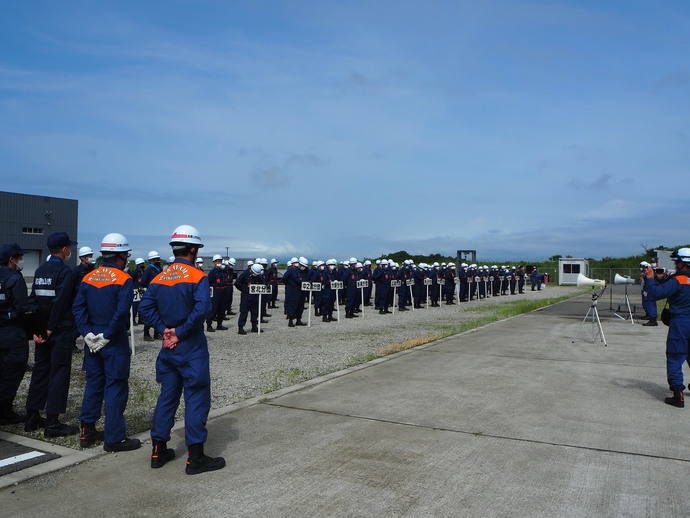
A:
x: 457, y: 280
x: 477, y: 279
x: 491, y: 277
x: 409, y: 282
x: 441, y: 281
x: 396, y: 284
x: 137, y: 295
x: 362, y: 283
x: 428, y: 282
x: 260, y: 289
x: 311, y: 286
x: 336, y: 285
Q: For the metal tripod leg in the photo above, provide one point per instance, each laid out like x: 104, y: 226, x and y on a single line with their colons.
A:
x: 596, y: 325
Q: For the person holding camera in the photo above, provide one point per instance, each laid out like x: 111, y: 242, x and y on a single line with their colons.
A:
x: 677, y: 290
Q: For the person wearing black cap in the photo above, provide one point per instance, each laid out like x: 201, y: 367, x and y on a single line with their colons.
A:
x: 14, y: 345
x: 52, y: 295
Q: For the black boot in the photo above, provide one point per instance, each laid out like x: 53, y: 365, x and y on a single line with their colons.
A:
x: 161, y: 454
x: 209, y: 328
x: 147, y: 337
x: 300, y: 323
x: 241, y: 331
x: 197, y: 462
x: 157, y: 336
x: 677, y: 400
x: 291, y: 323
x: 221, y: 327
x: 349, y: 314
x: 89, y: 435
x: 255, y: 328
x: 652, y: 322
x: 54, y: 428
x: 325, y: 319
x: 126, y: 444
x: 332, y: 319
x: 8, y: 415
x: 34, y: 421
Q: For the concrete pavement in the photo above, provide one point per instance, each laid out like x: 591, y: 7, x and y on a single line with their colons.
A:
x: 509, y: 420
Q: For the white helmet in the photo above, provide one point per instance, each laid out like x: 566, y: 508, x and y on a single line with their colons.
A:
x: 384, y: 261
x: 85, y: 250
x: 171, y: 259
x: 232, y: 261
x: 154, y: 255
x: 186, y: 235
x: 367, y: 263
x: 199, y: 260
x: 294, y: 260
x: 315, y: 262
x: 303, y: 261
x: 114, y: 242
x: 464, y: 265
x: 359, y: 265
x: 645, y: 264
x: 217, y: 257
x: 250, y: 262
x: 331, y: 262
x: 682, y: 254
x: 443, y: 264
x: 353, y: 260
x: 257, y: 269
x: 258, y: 260
x: 139, y: 260
x: 435, y: 264
x: 274, y: 261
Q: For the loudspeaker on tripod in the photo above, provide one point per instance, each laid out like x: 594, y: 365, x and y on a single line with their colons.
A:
x: 586, y: 282
x: 619, y: 279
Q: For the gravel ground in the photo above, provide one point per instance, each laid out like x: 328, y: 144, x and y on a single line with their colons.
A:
x: 244, y: 366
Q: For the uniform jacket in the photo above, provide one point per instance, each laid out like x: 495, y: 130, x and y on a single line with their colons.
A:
x: 103, y: 301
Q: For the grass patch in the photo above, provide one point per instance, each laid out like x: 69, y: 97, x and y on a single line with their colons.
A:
x: 362, y: 358
x: 284, y: 378
x: 494, y: 313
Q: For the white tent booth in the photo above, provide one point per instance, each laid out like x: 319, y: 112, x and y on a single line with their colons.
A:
x: 569, y: 268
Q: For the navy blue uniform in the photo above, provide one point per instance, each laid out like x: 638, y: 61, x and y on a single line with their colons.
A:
x: 249, y: 304
x: 272, y: 277
x: 14, y: 346
x: 677, y: 291
x: 149, y: 274
x: 350, y: 278
x: 293, y: 292
x: 218, y: 280
x: 102, y: 305
x: 179, y: 298
x: 51, y: 296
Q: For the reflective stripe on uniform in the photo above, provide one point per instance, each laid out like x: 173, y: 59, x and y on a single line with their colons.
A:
x: 2, y: 296
x: 45, y: 293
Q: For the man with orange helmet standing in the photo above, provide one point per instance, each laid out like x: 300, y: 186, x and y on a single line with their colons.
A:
x: 101, y: 311
x: 176, y: 305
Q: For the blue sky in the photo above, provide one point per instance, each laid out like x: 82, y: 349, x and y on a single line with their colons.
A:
x: 521, y: 129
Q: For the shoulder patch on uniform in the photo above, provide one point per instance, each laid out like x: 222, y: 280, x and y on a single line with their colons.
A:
x: 105, y: 276
x: 177, y: 273
x: 682, y: 279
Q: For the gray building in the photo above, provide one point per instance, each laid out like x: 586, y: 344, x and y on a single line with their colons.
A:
x: 28, y: 220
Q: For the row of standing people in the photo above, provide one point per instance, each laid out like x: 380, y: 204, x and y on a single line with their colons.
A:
x: 96, y: 303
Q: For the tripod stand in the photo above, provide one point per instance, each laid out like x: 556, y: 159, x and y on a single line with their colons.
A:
x: 596, y: 322
x: 626, y: 300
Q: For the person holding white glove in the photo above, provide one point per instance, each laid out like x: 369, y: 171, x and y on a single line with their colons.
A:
x: 101, y: 311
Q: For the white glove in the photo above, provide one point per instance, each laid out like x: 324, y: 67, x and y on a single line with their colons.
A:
x: 99, y: 343
x: 90, y: 340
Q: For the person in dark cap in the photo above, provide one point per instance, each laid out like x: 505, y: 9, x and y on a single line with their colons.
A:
x: 14, y: 345
x: 52, y: 295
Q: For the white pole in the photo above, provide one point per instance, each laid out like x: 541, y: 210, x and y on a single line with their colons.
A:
x: 131, y: 329
x: 395, y: 292
x: 411, y: 297
x: 362, y: 315
x: 260, y: 316
x: 337, y: 305
x: 309, y: 308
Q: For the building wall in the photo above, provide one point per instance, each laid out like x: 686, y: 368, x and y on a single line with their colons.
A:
x: 28, y: 220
